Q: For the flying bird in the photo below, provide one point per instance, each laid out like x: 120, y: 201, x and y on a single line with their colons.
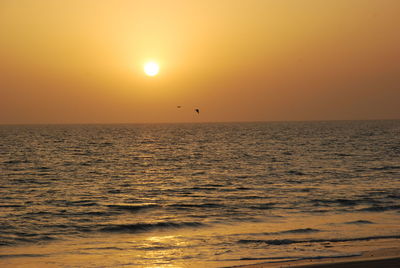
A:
x: 178, y: 106
x: 197, y: 111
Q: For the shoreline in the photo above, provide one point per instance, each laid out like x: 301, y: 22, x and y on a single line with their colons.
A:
x: 388, y: 258
x: 41, y: 257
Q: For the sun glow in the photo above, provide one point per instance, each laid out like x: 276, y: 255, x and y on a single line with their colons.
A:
x: 151, y: 68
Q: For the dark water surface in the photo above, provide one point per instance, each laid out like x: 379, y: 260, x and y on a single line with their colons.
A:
x: 180, y: 195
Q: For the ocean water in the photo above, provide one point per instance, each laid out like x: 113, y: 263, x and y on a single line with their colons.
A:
x: 197, y: 195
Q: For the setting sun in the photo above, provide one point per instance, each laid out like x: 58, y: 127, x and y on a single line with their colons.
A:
x: 151, y: 68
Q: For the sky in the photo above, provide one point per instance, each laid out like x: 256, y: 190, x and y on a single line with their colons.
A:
x: 78, y: 61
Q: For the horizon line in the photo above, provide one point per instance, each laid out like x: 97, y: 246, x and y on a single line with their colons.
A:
x: 197, y: 122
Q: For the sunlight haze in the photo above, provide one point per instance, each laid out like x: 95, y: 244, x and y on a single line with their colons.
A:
x: 82, y: 61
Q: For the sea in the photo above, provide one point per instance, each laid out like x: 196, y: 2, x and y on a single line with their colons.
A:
x: 197, y: 195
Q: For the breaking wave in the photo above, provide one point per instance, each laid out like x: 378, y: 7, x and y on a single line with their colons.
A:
x: 143, y: 227
x: 298, y: 241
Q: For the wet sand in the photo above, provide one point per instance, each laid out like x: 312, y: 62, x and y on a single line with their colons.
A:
x: 387, y: 258
x: 383, y: 258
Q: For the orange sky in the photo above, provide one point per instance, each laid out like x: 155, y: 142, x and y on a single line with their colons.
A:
x: 82, y: 61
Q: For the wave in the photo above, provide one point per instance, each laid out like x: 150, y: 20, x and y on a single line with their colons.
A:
x: 359, y: 222
x: 333, y: 240
x: 300, y: 231
x: 249, y: 197
x: 143, y: 227
x: 2, y: 256
x: 374, y: 204
x: 12, y: 162
x: 264, y: 206
x: 203, y: 188
x: 42, y: 168
x: 296, y: 172
x: 380, y: 208
x: 12, y: 206
x: 133, y: 207
x: 198, y: 173
x: 288, y: 259
x: 6, y: 242
x: 385, y: 168
x: 340, y: 201
x: 269, y: 242
x: 16, y: 238
x: 69, y: 213
x: 204, y: 205
x: 83, y: 203
x: 293, y: 231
